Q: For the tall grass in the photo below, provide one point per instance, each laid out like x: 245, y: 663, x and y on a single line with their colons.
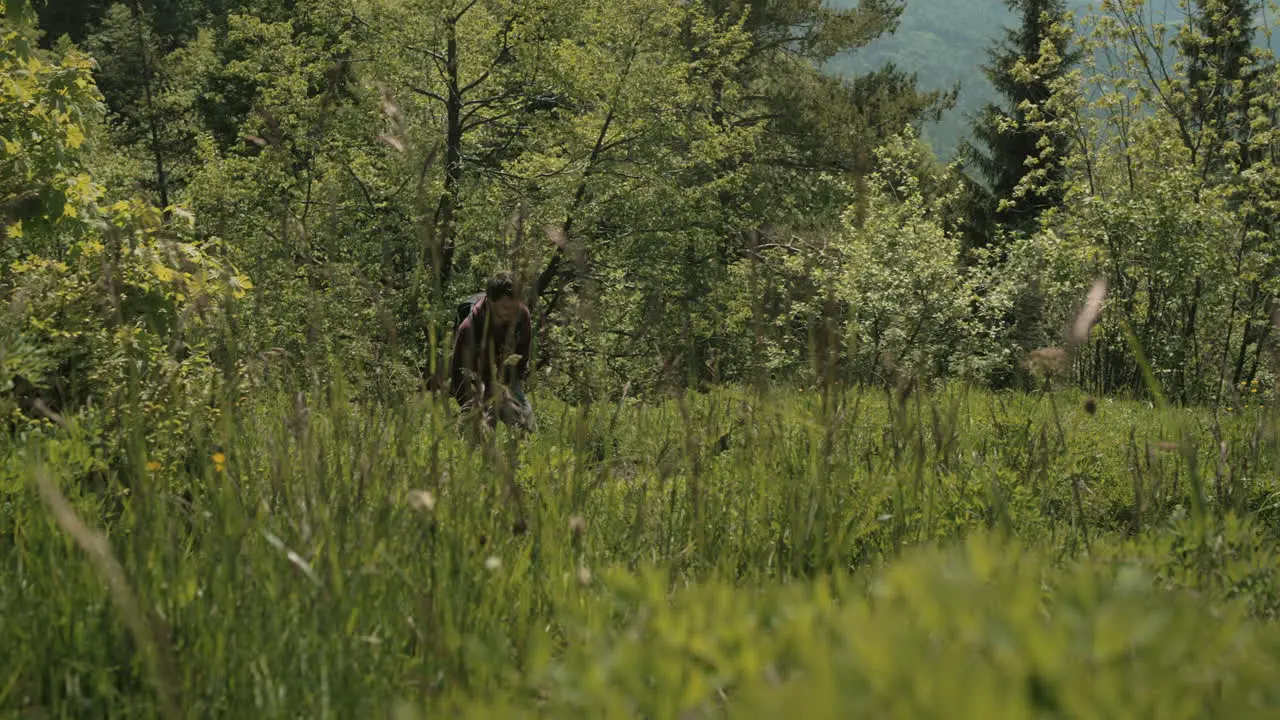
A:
x: 945, y: 554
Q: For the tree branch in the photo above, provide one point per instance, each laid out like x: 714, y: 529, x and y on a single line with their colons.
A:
x: 428, y: 93
x: 459, y: 15
x: 487, y: 101
x: 467, y: 125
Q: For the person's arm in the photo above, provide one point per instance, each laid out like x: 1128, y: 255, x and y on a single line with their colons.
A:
x: 525, y: 342
x: 461, y: 359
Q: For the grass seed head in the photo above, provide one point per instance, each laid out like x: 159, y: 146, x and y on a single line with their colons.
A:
x: 1047, y: 361
x: 422, y: 500
x: 1088, y: 314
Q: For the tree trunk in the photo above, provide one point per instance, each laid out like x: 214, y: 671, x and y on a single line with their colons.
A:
x: 153, y: 124
x: 446, y: 210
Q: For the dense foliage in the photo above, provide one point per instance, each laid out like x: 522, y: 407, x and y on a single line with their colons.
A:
x: 699, y: 174
x: 779, y: 464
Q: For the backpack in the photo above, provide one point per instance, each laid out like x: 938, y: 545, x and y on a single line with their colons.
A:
x: 464, y: 309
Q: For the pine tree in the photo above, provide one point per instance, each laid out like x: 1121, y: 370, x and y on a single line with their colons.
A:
x: 1012, y: 147
x: 1217, y: 42
x: 1004, y: 132
x: 1221, y: 86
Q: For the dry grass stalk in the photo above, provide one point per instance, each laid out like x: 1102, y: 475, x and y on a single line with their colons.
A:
x: 1051, y: 361
x: 555, y: 233
x: 1088, y: 316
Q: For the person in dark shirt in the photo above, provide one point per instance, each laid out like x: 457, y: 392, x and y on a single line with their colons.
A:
x: 491, y: 356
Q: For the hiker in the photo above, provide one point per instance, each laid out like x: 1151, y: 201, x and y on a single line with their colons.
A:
x: 491, y: 355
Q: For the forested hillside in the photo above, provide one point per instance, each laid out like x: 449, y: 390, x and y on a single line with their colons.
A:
x: 761, y: 408
x: 946, y: 41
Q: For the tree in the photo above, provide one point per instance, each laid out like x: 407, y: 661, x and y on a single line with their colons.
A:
x: 1158, y: 203
x: 1219, y: 122
x: 1020, y: 167
x: 1216, y: 43
x: 48, y: 100
x: 108, y: 311
x: 901, y: 278
x: 128, y: 51
x: 366, y: 159
x: 811, y: 134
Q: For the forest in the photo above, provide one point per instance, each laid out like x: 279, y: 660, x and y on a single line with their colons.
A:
x: 853, y: 393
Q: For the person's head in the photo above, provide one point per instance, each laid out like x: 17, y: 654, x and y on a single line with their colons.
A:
x: 500, y: 296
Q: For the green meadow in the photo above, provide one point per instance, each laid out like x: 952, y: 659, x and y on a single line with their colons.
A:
x: 732, y: 554
x: 826, y: 427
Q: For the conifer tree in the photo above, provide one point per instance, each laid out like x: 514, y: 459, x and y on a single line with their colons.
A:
x: 1010, y: 146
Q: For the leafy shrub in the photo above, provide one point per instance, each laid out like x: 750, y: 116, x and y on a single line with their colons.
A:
x: 45, y: 104
x: 111, y: 311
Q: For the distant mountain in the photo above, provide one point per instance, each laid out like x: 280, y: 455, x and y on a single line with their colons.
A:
x: 945, y: 41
